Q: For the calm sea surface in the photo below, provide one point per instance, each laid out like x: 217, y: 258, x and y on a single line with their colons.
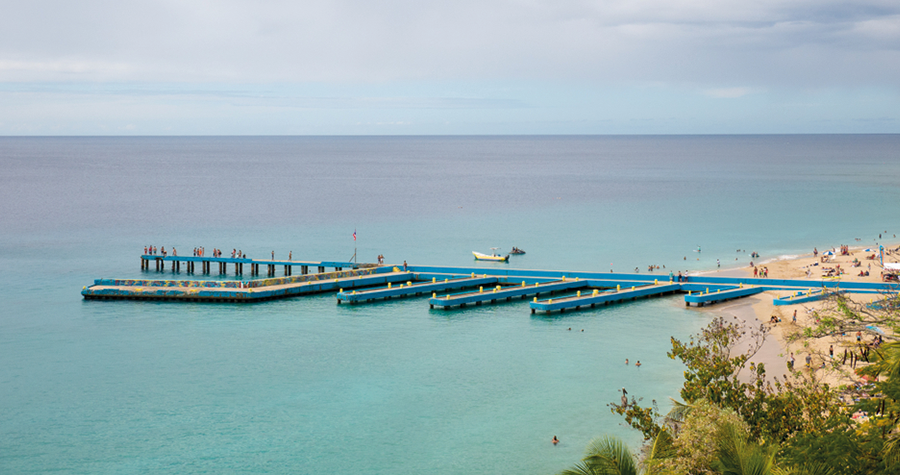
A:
x: 305, y: 386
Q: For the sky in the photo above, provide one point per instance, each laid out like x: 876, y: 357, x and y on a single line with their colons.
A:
x: 420, y: 67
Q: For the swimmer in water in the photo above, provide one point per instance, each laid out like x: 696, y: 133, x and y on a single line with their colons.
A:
x: 555, y: 440
x: 626, y: 360
x: 638, y: 363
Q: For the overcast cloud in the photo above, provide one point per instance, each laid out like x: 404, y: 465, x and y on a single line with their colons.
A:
x: 449, y: 67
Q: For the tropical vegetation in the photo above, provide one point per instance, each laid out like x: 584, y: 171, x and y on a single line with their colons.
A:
x: 733, y: 419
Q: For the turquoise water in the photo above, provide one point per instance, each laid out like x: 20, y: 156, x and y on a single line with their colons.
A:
x: 306, y: 386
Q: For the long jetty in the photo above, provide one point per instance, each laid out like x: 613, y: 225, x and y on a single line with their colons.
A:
x: 453, y: 287
x: 190, y: 264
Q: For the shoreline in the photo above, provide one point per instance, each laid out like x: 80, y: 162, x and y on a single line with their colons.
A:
x: 778, y: 347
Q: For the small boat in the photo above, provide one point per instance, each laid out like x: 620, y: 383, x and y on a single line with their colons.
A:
x: 516, y: 250
x: 492, y: 257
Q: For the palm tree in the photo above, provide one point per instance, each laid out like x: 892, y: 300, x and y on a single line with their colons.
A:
x: 737, y: 456
x: 605, y: 456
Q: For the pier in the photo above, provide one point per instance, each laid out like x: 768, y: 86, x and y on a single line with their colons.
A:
x: 237, y: 263
x: 452, y: 287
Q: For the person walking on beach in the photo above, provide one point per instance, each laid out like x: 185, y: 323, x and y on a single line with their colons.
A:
x: 831, y: 351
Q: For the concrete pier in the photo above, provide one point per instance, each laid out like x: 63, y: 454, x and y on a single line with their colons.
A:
x: 363, y: 283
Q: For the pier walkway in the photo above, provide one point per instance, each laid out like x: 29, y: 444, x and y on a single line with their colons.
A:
x: 411, y: 289
x: 365, y: 283
x: 190, y: 264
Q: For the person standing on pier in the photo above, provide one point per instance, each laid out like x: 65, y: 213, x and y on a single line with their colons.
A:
x: 273, y: 255
x: 404, y: 265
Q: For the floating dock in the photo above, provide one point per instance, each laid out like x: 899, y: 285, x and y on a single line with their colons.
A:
x: 410, y: 289
x: 452, y: 287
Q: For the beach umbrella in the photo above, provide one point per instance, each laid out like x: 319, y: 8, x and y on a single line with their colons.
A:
x: 868, y: 250
x: 827, y: 253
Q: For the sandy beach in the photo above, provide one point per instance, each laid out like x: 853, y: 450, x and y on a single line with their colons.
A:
x: 786, y: 337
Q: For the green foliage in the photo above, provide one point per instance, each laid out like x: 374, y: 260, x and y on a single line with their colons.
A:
x: 696, y: 447
x: 736, y: 456
x: 644, y: 419
x: 605, y: 456
x: 735, y: 420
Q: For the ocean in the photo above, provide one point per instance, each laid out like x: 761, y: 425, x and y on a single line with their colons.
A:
x: 306, y: 386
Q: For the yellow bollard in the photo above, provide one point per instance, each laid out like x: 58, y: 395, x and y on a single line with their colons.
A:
x: 498, y: 287
x: 473, y: 275
x: 564, y: 278
x: 389, y: 285
x: 689, y: 292
x: 485, y: 276
x: 655, y: 281
x: 446, y: 280
x: 341, y: 290
x: 707, y: 291
x: 550, y: 301
x: 718, y: 290
x: 433, y: 280
x: 579, y: 293
x: 409, y: 283
x: 434, y: 295
x: 495, y: 291
x: 791, y: 297
x: 576, y: 279
x: 354, y: 292
x: 480, y: 289
x: 535, y: 300
x: 632, y: 287
x: 741, y: 285
x: 618, y: 287
x: 523, y: 283
x: 536, y: 284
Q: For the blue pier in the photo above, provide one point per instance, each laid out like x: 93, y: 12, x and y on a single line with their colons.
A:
x: 455, y: 287
x: 410, y: 289
x: 504, y: 293
x: 597, y: 297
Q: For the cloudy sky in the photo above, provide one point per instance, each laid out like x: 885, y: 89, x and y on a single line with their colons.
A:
x: 194, y: 67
